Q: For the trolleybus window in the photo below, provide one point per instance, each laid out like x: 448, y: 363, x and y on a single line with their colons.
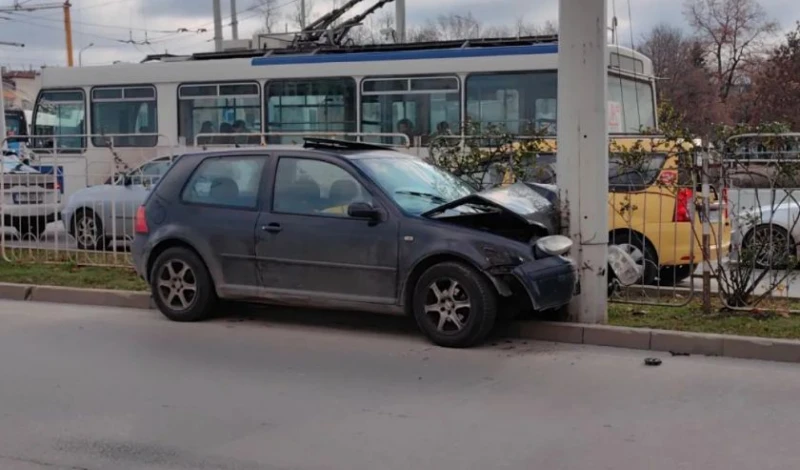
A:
x: 415, y: 106
x: 310, y: 105
x: 521, y: 102
x: 125, y: 110
x: 515, y: 101
x: 60, y: 113
x: 635, y: 101
x: 223, y: 108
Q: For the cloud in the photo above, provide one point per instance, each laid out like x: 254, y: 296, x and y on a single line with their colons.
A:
x: 128, y: 30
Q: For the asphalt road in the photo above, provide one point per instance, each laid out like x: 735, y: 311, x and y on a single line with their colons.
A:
x: 99, y: 388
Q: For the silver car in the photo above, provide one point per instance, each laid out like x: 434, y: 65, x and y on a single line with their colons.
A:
x: 99, y: 216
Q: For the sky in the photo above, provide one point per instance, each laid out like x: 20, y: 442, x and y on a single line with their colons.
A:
x: 128, y: 30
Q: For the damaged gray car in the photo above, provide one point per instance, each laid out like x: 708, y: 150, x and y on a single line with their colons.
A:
x: 345, y: 225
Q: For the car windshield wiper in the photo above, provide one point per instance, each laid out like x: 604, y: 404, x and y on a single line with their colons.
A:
x: 432, y: 197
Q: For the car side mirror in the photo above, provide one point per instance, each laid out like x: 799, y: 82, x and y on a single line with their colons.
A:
x: 364, y: 210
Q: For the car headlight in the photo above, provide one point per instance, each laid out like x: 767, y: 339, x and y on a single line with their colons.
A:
x: 553, y: 245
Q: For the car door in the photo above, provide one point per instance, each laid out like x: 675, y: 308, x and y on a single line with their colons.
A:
x: 221, y: 203
x: 306, y: 243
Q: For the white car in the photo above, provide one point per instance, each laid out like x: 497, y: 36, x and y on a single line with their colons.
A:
x: 30, y: 199
x: 98, y: 216
x: 770, y: 233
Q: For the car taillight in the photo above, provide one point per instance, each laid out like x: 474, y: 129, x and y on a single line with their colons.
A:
x: 140, y: 224
x: 683, y: 203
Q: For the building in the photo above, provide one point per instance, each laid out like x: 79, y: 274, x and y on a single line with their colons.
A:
x: 20, y: 88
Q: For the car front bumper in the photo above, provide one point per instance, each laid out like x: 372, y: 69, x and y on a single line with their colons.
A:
x: 550, y: 282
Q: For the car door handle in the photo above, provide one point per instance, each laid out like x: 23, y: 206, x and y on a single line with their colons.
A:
x: 272, y: 228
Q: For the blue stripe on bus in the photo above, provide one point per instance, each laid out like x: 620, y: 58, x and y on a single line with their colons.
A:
x: 407, y: 55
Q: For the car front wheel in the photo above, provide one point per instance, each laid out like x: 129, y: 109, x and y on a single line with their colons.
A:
x: 454, y: 305
x: 87, y: 228
x: 182, y: 287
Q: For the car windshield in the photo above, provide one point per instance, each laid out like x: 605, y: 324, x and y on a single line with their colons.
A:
x: 416, y: 186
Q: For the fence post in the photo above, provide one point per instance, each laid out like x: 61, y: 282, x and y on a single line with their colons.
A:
x: 706, y: 240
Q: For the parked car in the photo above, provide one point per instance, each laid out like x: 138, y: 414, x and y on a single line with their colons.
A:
x: 770, y: 233
x: 654, y: 213
x: 353, y: 226
x: 99, y: 215
x: 31, y: 200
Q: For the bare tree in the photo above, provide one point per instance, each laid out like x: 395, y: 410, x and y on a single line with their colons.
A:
x: 685, y: 86
x: 270, y: 14
x: 732, y: 32
x: 303, y: 13
x: 777, y: 83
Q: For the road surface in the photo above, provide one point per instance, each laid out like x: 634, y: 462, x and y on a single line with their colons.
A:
x: 100, y: 388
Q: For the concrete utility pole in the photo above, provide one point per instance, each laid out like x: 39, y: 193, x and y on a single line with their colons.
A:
x: 583, y: 148
x: 234, y: 21
x: 217, y: 25
x: 302, y: 14
x: 400, y: 20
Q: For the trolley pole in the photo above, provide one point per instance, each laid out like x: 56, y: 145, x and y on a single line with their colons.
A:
x: 582, y: 161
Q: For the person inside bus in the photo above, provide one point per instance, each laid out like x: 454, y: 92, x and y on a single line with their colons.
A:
x: 405, y: 126
x: 225, y: 128
x: 206, y: 128
x: 240, y: 127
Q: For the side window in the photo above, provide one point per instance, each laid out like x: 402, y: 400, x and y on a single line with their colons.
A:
x: 415, y: 106
x: 515, y: 101
x: 208, y: 112
x: 226, y: 181
x: 314, y: 187
x: 60, y: 113
x: 122, y: 113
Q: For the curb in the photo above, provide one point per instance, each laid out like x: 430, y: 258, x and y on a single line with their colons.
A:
x: 740, y: 347
x: 75, y: 295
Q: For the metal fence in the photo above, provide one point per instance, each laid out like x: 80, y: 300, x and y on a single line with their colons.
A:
x: 77, y: 204
x: 722, y: 227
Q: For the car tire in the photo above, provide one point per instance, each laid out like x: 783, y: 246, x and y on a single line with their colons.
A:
x: 181, y: 286
x: 642, y: 252
x: 454, y: 305
x: 674, y: 275
x: 30, y: 227
x: 87, y: 229
x: 773, y: 235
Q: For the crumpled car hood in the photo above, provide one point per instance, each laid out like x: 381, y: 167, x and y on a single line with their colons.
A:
x: 534, y: 203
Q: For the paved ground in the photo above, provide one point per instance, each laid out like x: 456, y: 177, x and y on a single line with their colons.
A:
x: 99, y: 388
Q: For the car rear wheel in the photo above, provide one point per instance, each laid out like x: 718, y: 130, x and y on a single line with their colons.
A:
x: 30, y: 228
x: 641, y: 252
x: 181, y: 286
x: 454, y: 305
x: 87, y: 228
x: 674, y: 275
